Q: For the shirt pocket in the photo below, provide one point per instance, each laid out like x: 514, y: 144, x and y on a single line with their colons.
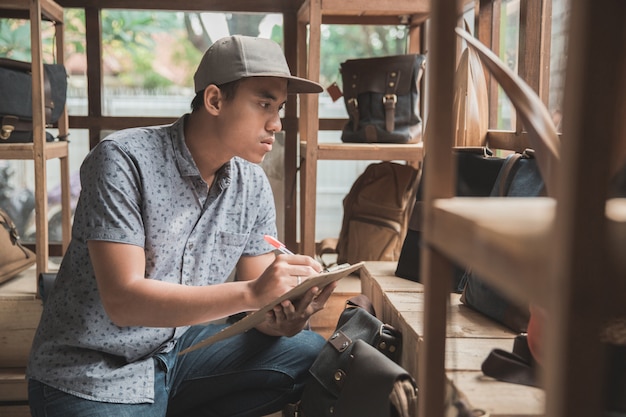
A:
x: 228, y: 249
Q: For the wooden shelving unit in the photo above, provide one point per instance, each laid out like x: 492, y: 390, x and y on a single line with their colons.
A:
x: 562, y: 253
x: 41, y: 151
x: 311, y: 15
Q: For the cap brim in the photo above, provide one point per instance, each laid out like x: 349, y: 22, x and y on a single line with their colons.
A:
x: 300, y: 85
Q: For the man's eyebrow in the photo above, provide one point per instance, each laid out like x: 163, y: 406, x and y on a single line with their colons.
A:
x: 268, y: 95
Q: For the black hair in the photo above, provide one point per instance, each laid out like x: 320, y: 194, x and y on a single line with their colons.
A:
x: 228, y: 92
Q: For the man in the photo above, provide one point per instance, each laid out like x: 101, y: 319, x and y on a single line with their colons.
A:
x: 165, y: 214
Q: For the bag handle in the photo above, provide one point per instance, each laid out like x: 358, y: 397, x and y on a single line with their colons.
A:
x: 542, y: 135
x: 517, y: 367
x: 14, y: 236
x: 13, y: 64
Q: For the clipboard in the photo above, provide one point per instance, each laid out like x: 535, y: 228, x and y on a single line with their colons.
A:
x: 257, y: 317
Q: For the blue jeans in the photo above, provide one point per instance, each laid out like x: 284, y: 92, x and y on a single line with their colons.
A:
x: 249, y: 375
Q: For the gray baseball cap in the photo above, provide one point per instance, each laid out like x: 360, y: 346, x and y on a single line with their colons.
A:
x: 235, y: 57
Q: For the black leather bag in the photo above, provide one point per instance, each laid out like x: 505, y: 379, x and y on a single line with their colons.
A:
x: 477, y: 171
x: 518, y: 177
x: 382, y: 99
x: 16, y: 108
x: 356, y: 372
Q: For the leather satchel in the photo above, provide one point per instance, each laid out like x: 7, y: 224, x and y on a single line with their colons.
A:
x: 356, y: 372
x: 16, y: 108
x: 381, y: 96
x: 477, y: 172
x: 14, y: 257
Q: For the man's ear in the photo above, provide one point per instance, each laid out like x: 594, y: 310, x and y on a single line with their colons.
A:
x: 212, y: 99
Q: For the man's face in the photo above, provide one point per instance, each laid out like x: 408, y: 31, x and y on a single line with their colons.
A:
x: 249, y: 120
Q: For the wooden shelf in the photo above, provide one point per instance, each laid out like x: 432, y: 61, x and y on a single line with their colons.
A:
x: 52, y: 150
x: 390, y: 12
x: 50, y: 10
x: 564, y: 254
x: 314, y: 13
x: 39, y: 151
x: 509, y: 241
x: 368, y: 151
x: 498, y: 238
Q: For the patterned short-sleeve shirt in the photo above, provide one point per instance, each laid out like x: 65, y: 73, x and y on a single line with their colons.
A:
x: 141, y: 187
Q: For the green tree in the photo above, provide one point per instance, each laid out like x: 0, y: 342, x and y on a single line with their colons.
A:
x: 342, y: 42
x: 131, y: 42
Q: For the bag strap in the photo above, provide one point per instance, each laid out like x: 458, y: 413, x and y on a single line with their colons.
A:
x: 517, y: 367
x: 362, y: 301
x: 505, y: 173
x: 14, y: 236
x: 390, y: 98
x: 13, y: 64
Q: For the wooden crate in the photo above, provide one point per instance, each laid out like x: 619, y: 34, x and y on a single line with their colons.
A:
x: 470, y: 338
x: 325, y: 321
x: 20, y: 311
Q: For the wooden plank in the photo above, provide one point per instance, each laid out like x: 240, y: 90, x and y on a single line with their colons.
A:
x: 470, y: 338
x: 20, y: 311
x: 370, y: 151
x: 26, y: 150
x: 468, y: 354
x: 50, y: 10
x: 310, y: 115
x: 499, y: 399
x: 575, y: 358
x: 12, y: 385
x: 504, y: 240
x: 15, y: 410
x: 290, y: 157
x: 257, y: 6
x: 324, y: 322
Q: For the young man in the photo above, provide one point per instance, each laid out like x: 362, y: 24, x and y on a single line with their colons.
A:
x: 165, y: 214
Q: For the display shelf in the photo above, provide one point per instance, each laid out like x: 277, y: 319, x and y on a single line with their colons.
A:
x: 508, y: 241
x: 40, y: 151
x: 564, y: 254
x: 27, y: 150
x: 312, y: 14
x: 50, y: 10
x: 368, y: 151
x: 365, y: 11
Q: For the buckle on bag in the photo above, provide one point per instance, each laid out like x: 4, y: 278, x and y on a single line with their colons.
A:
x: 340, y: 341
x: 390, y: 98
x: 8, y: 126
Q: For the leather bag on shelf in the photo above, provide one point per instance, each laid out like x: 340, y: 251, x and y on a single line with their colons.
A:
x: 477, y: 170
x: 16, y: 108
x: 476, y: 166
x: 14, y: 257
x: 518, y: 177
x: 381, y: 95
x: 376, y: 212
x: 356, y: 372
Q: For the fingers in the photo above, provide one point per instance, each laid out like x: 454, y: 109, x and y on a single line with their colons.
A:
x: 300, y: 265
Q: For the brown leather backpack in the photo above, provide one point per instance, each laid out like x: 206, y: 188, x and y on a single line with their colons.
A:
x: 375, y: 214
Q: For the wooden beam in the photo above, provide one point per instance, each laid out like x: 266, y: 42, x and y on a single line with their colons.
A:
x: 256, y: 6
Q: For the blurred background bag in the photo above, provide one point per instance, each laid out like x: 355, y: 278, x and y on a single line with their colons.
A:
x: 382, y: 99
x: 14, y: 257
x: 16, y: 107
